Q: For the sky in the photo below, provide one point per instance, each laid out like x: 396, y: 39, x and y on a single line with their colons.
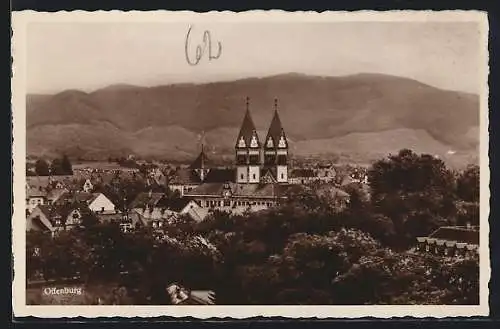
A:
x: 89, y: 56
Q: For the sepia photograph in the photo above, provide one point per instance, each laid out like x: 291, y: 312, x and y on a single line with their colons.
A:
x: 258, y: 162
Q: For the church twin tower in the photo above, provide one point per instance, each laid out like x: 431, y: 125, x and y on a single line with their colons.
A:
x: 256, y: 163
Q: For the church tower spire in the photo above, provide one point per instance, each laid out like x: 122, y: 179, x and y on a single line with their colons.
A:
x: 248, y: 154
x: 276, y: 148
x: 201, y: 165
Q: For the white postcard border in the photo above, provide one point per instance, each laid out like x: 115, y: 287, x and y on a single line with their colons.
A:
x: 20, y: 20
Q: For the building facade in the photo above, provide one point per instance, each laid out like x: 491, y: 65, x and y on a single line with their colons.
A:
x: 450, y: 241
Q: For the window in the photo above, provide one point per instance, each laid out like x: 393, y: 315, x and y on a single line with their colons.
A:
x: 282, y: 176
x: 242, y: 176
x: 282, y: 159
x: 253, y: 176
x: 227, y: 203
x: 254, y: 159
x: 270, y: 159
x: 241, y: 159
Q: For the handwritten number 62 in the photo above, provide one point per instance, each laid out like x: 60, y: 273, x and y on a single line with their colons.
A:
x: 201, y: 49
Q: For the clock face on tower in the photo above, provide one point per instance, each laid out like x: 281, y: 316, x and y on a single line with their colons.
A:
x: 227, y: 191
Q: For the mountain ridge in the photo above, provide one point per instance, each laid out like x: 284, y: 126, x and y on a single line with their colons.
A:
x: 311, y: 108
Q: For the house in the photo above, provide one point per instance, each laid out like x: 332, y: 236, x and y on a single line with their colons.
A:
x: 302, y: 176
x: 450, y: 241
x: 156, y: 210
x: 50, y: 182
x: 168, y: 211
x: 55, y: 194
x: 52, y: 218
x: 324, y: 173
x: 99, y: 203
x: 156, y: 177
x: 87, y: 186
x: 128, y: 221
x: 35, y: 196
x: 96, y: 202
x: 182, y: 296
x: 40, y: 219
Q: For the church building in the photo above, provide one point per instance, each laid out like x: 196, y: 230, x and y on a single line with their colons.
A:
x: 256, y: 163
x: 259, y: 178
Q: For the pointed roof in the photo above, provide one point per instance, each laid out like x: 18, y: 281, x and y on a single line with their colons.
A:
x: 247, y: 131
x: 201, y: 161
x: 276, y: 130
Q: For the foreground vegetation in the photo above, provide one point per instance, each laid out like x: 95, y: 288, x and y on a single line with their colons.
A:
x: 307, y: 251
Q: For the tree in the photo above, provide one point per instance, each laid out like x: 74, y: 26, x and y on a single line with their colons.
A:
x: 42, y: 168
x: 66, y: 167
x: 414, y: 191
x: 468, y: 184
x: 56, y: 167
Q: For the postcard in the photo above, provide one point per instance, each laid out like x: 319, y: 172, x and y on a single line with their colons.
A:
x: 262, y: 163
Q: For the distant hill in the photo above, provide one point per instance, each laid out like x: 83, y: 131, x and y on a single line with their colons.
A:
x: 358, y: 113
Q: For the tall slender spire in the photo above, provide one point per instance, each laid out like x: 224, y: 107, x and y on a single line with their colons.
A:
x: 247, y: 131
x: 276, y: 131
